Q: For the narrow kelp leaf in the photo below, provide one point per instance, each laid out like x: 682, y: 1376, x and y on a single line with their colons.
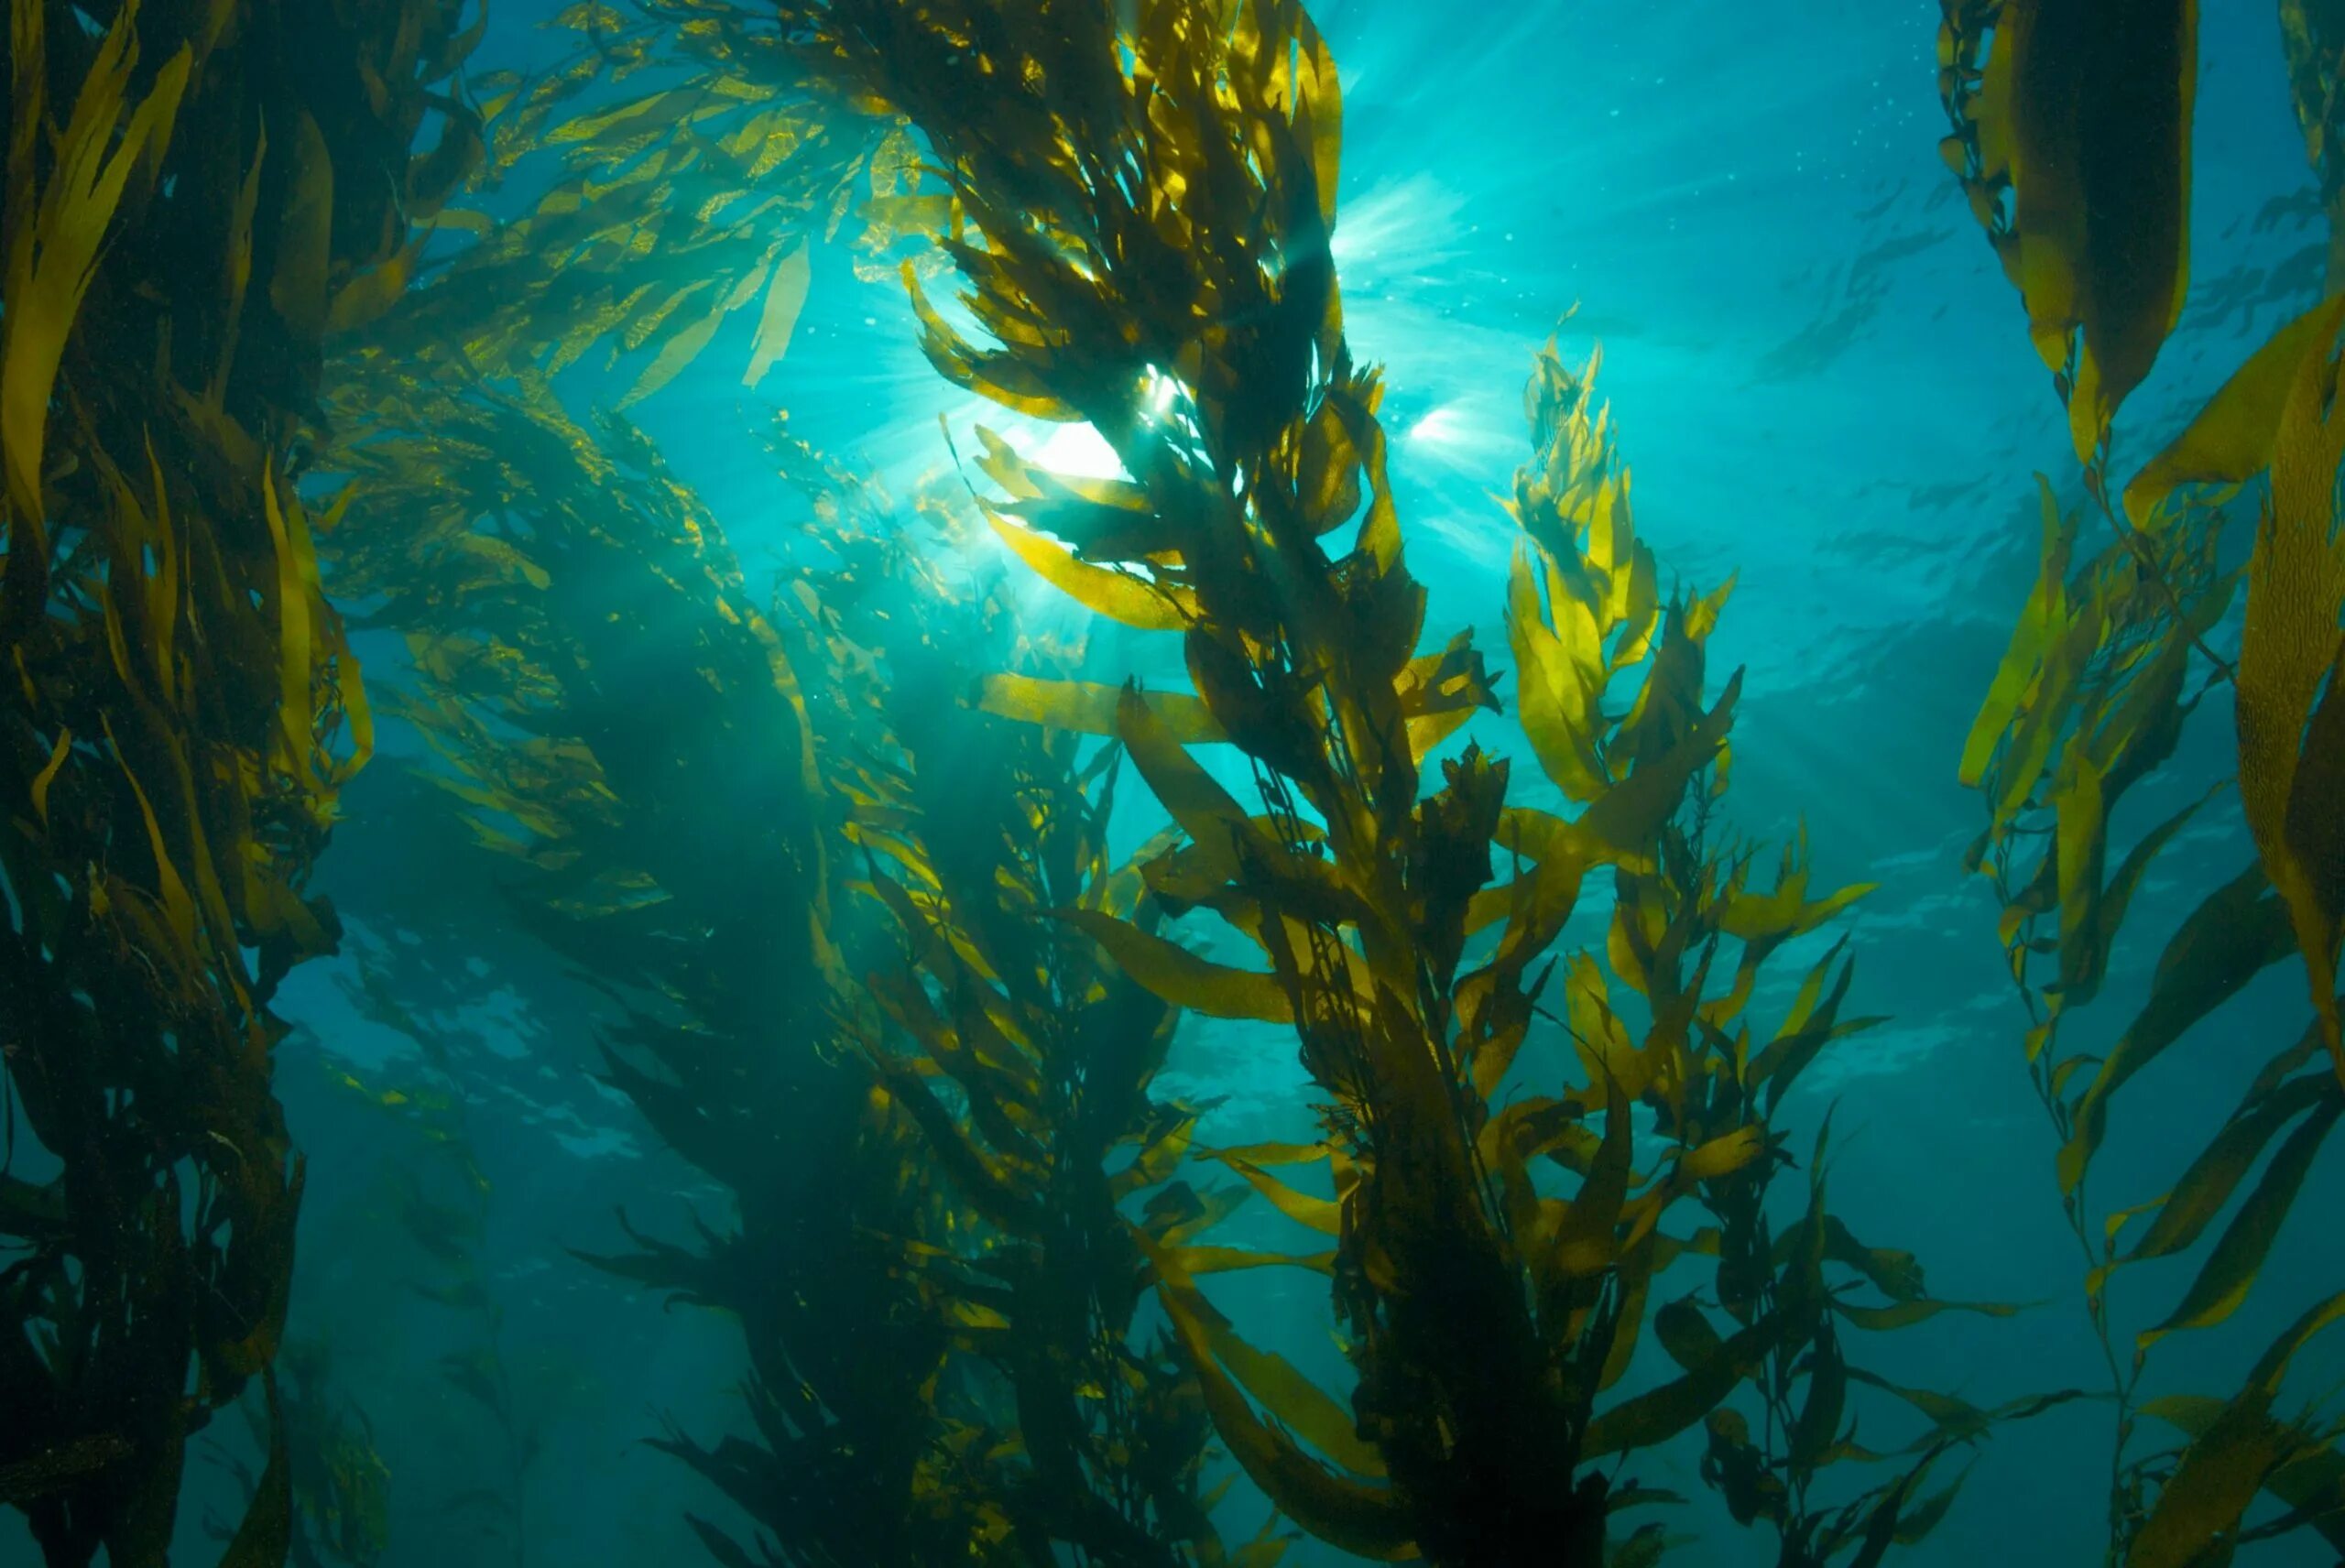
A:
x: 2083, y: 112
x: 2041, y: 629
x: 1120, y: 595
x: 2237, y: 1256
x: 1175, y: 974
x: 1358, y: 1519
x: 2236, y: 932
x: 1661, y: 1413
x: 52, y: 253
x: 778, y: 321
x: 1322, y: 1215
x: 1906, y: 1314
x: 2207, y: 1186
x: 2291, y: 735
x: 1090, y: 707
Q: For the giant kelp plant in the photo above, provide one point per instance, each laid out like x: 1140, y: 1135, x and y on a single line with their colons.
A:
x: 196, y: 193
x: 2071, y: 134
x: 507, y: 542
x: 1141, y: 215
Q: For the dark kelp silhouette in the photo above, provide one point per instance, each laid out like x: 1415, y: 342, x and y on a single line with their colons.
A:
x: 2071, y: 137
x: 197, y: 194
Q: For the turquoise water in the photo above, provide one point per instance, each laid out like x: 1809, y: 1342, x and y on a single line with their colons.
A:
x: 1823, y: 385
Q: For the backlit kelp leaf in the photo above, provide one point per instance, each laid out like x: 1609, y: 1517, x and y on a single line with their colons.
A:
x: 2290, y: 736
x: 1090, y: 708
x: 785, y: 299
x: 2041, y: 629
x: 2232, y: 437
x: 1119, y: 595
x: 2083, y: 113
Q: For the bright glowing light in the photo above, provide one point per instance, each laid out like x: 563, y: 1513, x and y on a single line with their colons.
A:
x: 1080, y: 451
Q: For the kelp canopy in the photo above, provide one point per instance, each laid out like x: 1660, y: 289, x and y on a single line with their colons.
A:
x: 307, y: 327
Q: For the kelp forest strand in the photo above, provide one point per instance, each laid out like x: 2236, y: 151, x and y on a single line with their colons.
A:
x: 908, y: 784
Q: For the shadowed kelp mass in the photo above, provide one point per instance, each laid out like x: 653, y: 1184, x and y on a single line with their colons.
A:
x: 1117, y: 1029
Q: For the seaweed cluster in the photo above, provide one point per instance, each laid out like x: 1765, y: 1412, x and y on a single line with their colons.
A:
x: 869, y: 959
x: 197, y: 193
x: 2120, y: 657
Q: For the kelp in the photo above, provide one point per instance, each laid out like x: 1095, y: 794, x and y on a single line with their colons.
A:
x: 2313, y: 33
x: 2106, y: 668
x: 435, y: 1196
x: 339, y: 1484
x: 1142, y: 220
x: 625, y: 726
x: 195, y: 193
x: 1027, y: 1062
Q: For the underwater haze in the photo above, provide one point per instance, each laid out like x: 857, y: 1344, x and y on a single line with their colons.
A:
x: 876, y: 783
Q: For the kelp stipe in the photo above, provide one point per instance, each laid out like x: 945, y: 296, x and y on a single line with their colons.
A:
x: 183, y: 227
x: 2105, y: 672
x: 1104, y: 182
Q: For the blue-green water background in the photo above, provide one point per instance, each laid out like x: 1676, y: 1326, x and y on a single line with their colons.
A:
x: 1822, y: 384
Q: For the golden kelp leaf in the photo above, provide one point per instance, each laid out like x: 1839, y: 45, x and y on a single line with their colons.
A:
x: 1216, y: 824
x: 2043, y: 627
x: 1119, y: 595
x: 1090, y: 708
x: 366, y: 298
x: 2289, y: 646
x: 52, y: 254
x: 1173, y: 974
x: 1723, y: 1155
x: 785, y: 299
x: 1296, y: 1402
x: 1560, y: 673
x: 1354, y: 1518
x: 2231, y: 439
x: 1322, y: 1215
x: 2087, y: 111
x: 47, y: 775
x: 677, y: 353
